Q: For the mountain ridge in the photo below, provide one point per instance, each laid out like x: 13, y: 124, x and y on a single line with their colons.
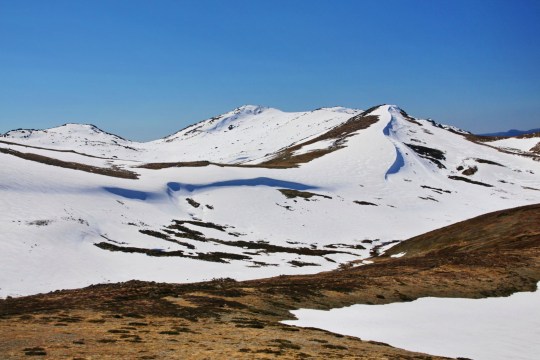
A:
x: 280, y: 193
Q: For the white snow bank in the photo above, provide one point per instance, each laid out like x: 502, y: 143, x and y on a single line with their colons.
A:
x: 492, y: 328
x: 522, y: 144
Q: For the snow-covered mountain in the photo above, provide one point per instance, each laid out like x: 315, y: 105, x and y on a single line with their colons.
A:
x: 254, y: 192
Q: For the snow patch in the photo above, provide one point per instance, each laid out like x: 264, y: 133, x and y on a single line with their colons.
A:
x: 490, y: 329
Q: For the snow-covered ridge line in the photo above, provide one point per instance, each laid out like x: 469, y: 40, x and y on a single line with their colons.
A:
x: 214, y: 207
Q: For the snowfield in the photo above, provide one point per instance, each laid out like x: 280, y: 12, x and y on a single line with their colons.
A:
x: 67, y: 226
x: 489, y: 329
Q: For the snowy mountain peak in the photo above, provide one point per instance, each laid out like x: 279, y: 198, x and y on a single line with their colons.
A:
x: 250, y: 109
x: 68, y: 128
x: 75, y: 126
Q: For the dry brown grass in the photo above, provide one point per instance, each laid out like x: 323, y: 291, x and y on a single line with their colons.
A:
x: 114, y: 172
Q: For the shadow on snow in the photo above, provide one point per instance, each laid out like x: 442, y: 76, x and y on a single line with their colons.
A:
x: 176, y: 186
x: 260, y: 181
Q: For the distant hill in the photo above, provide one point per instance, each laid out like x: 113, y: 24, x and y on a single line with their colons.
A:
x: 512, y: 132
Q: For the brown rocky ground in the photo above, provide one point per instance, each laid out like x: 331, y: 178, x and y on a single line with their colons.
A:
x: 492, y: 255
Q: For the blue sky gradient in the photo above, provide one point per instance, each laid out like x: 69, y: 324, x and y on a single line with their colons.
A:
x: 145, y: 69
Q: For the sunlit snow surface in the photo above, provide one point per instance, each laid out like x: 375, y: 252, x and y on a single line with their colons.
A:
x: 52, y: 217
x: 492, y: 328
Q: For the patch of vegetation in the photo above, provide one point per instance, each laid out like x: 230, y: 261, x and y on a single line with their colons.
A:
x: 193, y: 202
x: 471, y: 170
x: 107, y: 341
x: 291, y: 194
x: 433, y: 155
x: 364, y: 203
x: 428, y: 198
x: 220, y: 257
x: 348, y: 246
x: 35, y: 351
x: 39, y: 222
x: 248, y: 323
x: 461, y: 178
x: 286, y: 344
x: 169, y: 332
x: 258, y: 245
x: 437, y: 190
x: 332, y: 346
x: 297, y: 263
x: 209, y: 225
x: 166, y: 238
x: 484, y: 161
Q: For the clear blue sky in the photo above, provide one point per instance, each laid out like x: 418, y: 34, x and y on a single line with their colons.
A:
x: 145, y: 69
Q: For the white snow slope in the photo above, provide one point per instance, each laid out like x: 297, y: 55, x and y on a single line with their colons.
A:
x: 481, y: 329
x: 384, y: 183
